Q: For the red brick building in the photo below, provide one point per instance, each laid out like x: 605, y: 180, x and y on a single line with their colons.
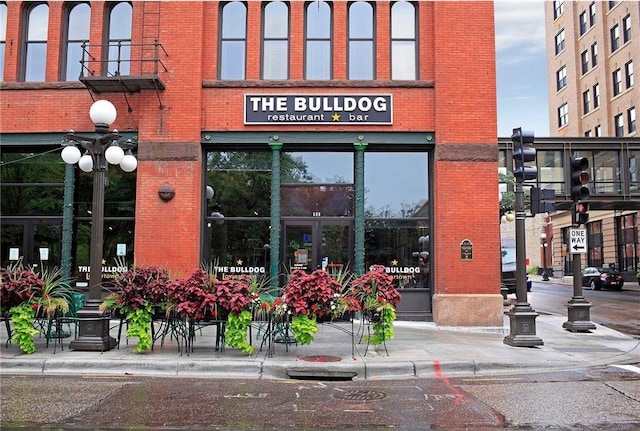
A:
x: 334, y: 134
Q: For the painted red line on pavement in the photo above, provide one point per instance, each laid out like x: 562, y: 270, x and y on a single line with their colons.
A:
x: 460, y: 398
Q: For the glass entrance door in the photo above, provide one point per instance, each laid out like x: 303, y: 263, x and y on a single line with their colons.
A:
x: 317, y: 244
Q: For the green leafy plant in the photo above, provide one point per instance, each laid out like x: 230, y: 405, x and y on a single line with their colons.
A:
x: 23, y: 331
x: 139, y: 321
x: 235, y: 333
x: 303, y: 328
x: 382, y: 324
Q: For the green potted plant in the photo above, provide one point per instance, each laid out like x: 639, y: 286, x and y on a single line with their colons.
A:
x: 27, y: 295
x: 137, y: 295
x: 307, y: 297
x: 378, y: 298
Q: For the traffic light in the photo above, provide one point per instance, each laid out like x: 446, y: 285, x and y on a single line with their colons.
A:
x: 582, y: 213
x: 523, y: 153
x: 540, y: 200
x: 579, y: 177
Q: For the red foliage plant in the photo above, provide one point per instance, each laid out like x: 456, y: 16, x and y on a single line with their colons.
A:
x: 193, y: 296
x: 201, y: 295
x: 18, y: 285
x: 375, y: 284
x: 310, y: 293
x: 233, y: 293
x: 141, y: 285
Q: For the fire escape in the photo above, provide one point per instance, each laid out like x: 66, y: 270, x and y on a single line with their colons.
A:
x: 128, y: 67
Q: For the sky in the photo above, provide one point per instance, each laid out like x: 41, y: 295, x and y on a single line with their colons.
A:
x: 521, y: 67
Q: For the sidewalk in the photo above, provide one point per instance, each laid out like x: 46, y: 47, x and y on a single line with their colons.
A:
x: 419, y: 349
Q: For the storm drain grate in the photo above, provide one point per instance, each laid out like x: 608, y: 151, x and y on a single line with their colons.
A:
x: 360, y: 395
x: 321, y: 358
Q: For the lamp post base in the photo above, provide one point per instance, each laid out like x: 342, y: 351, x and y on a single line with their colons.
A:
x: 579, y: 317
x: 93, y: 329
x: 545, y: 275
x: 523, y: 328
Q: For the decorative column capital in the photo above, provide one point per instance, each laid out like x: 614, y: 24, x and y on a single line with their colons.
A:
x: 360, y: 146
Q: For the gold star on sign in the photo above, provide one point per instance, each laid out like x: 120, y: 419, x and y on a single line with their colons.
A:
x: 394, y: 262
x: 239, y: 262
x: 335, y: 116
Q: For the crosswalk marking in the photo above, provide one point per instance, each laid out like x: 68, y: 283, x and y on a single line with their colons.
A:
x: 631, y: 368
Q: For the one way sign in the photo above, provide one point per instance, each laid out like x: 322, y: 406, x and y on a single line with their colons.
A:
x: 578, y: 238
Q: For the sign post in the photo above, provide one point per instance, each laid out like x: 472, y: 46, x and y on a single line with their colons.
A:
x: 578, y: 307
x: 522, y: 317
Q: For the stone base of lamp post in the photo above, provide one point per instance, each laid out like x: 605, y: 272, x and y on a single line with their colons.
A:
x: 578, y: 315
x: 93, y: 329
x: 545, y: 275
x: 523, y: 328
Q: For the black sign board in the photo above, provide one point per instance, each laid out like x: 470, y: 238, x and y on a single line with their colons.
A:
x: 466, y: 250
x: 343, y: 109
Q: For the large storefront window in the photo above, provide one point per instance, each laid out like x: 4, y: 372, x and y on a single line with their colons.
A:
x: 317, y: 214
x: 238, y: 211
x: 397, y: 225
x: 31, y: 201
x: 119, y: 225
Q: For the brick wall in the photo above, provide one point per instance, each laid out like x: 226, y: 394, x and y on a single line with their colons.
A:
x: 455, y: 97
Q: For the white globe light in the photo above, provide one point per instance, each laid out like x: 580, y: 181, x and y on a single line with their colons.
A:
x: 103, y: 112
x: 70, y: 154
x: 114, y: 154
x: 129, y: 163
x: 210, y: 192
x: 86, y: 163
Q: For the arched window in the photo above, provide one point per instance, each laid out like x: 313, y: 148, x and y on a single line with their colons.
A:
x: 35, y: 48
x: 275, y: 41
x: 318, y: 56
x: 119, y: 39
x: 78, y: 22
x: 361, y: 44
x: 3, y: 36
x: 403, y: 41
x: 233, y: 41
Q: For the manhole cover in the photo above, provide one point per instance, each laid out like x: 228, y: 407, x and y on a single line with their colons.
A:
x: 360, y: 395
x: 321, y: 358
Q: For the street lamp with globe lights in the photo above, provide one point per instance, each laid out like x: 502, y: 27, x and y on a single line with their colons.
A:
x: 101, y: 149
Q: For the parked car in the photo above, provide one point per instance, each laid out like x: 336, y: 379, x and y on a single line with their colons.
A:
x: 598, y: 278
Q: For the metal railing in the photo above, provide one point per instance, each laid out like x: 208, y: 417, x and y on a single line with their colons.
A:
x: 122, y: 58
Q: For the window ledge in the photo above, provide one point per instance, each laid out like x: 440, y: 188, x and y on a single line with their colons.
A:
x: 317, y: 84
